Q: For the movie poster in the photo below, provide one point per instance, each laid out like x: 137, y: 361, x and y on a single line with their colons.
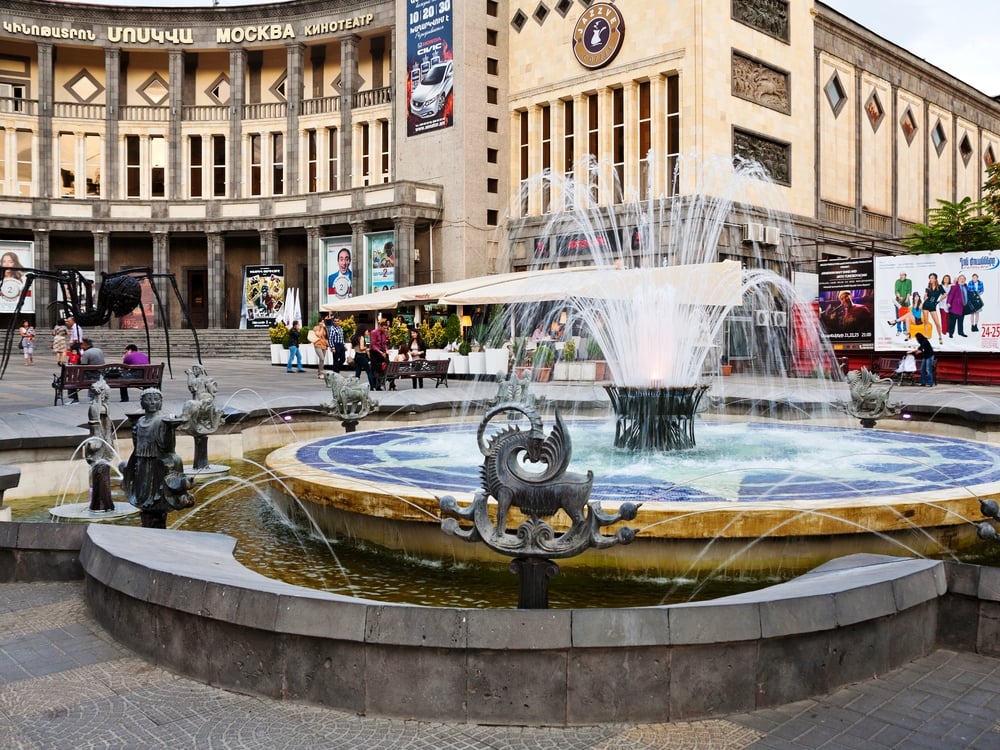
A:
x: 134, y: 320
x: 381, y: 252
x: 336, y: 269
x: 14, y: 256
x: 846, y: 301
x: 952, y: 298
x: 263, y: 294
x: 430, y: 98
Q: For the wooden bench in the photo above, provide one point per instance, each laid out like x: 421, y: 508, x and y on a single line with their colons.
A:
x: 74, y: 378
x: 419, y: 368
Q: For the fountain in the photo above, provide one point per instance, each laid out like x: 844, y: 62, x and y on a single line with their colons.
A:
x: 201, y: 419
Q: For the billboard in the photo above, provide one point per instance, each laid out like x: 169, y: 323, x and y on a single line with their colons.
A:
x: 336, y: 268
x: 430, y: 98
x: 907, y: 300
x: 846, y: 301
x: 380, y: 249
x: 263, y: 295
x: 14, y: 256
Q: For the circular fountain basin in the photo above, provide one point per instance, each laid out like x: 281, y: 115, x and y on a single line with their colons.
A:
x: 752, y: 498
x: 82, y: 512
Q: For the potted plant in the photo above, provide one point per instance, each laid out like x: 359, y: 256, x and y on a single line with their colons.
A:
x: 399, y: 333
x: 541, y: 362
x: 724, y: 366
x: 279, y: 343
x: 434, y: 339
x: 595, y: 354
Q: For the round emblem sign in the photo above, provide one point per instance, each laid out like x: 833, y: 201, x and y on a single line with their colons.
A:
x: 598, y: 35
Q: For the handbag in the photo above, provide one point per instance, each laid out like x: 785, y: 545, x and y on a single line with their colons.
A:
x: 973, y: 302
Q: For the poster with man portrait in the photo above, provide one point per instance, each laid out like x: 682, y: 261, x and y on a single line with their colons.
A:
x: 336, y: 269
x: 15, y: 256
x: 381, y: 252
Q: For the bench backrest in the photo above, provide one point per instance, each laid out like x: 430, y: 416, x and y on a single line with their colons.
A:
x: 116, y: 375
x: 421, y: 366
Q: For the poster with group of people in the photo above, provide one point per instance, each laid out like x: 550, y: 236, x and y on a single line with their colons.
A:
x: 952, y: 298
x: 263, y: 295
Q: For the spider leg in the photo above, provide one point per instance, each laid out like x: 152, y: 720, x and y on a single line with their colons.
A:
x: 9, y: 338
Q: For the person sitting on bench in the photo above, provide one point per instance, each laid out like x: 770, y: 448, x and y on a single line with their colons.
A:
x: 132, y: 356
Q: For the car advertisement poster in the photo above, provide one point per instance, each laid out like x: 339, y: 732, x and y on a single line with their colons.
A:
x: 430, y: 68
x: 263, y: 295
x: 952, y: 298
x: 15, y: 255
x: 336, y: 269
x: 381, y: 251
x: 846, y: 301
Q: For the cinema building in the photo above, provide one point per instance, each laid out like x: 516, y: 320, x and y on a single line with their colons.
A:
x: 203, y: 141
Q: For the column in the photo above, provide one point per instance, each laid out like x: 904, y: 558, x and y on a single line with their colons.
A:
x: 404, y: 251
x: 43, y: 293
x: 558, y: 151
x: 317, y: 283
x: 580, y: 166
x: 360, y: 264
x: 659, y: 180
x: 216, y: 279
x: 237, y: 81
x: 348, y: 86
x: 293, y: 97
x: 161, y: 265
x: 109, y: 167
x: 268, y: 247
x: 175, y: 144
x: 45, y: 96
x: 102, y: 255
x: 633, y: 173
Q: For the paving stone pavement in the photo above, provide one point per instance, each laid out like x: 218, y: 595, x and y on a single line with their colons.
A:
x: 64, y: 683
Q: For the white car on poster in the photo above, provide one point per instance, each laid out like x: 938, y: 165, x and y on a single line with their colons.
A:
x: 428, y: 99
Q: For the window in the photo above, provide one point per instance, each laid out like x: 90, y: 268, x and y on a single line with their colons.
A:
x: 547, y: 159
x: 593, y: 139
x: 492, y: 94
x: 492, y: 66
x: 25, y: 162
x: 157, y: 166
x: 93, y: 152
x: 835, y: 93
x: 332, y: 150
x: 908, y: 124
x: 133, y: 167
x: 989, y: 157
x: 255, y: 165
x: 673, y: 132
x: 277, y: 163
x: 67, y: 165
x: 3, y: 161
x: 965, y: 149
x: 219, y: 166
x: 874, y: 110
x: 491, y: 155
x: 492, y: 185
x: 645, y: 135
x: 492, y: 217
x: 938, y: 137
x: 518, y: 21
x: 618, y: 138
x: 492, y: 124
x: 365, y: 153
x: 524, y: 152
x: 569, y: 144
x: 492, y: 8
x: 491, y: 37
x: 196, y: 166
x: 384, y: 127
x: 311, y: 161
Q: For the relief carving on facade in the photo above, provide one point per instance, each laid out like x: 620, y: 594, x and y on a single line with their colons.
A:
x: 768, y: 16
x: 760, y: 83
x: 775, y: 157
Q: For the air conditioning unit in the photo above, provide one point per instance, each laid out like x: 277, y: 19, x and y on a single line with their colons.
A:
x: 753, y: 233
x: 762, y: 317
x: 772, y: 235
x: 779, y: 319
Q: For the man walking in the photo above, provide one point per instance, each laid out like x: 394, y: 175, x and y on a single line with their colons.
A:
x: 380, y: 352
x: 335, y: 335
x: 294, y: 353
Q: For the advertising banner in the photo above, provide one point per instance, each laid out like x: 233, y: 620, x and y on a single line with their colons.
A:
x: 134, y: 320
x: 952, y: 298
x: 381, y: 252
x: 14, y: 256
x: 430, y: 98
x: 336, y: 269
x: 263, y: 295
x: 846, y: 301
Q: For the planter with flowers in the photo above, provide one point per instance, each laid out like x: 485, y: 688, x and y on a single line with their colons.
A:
x: 279, y: 343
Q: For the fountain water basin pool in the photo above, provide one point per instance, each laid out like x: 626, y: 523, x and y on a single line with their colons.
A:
x: 751, y: 498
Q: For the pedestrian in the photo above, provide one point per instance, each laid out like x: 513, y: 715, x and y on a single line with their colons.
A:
x: 335, y: 336
x: 362, y: 363
x: 89, y: 355
x: 319, y: 340
x: 294, y: 353
x: 75, y: 332
x: 28, y: 343
x: 60, y: 341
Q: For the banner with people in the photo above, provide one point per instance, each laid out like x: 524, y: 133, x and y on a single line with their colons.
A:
x: 263, y: 295
x: 381, y: 252
x: 15, y: 255
x: 952, y: 298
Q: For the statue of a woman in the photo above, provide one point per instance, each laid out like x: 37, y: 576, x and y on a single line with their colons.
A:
x: 98, y: 449
x: 153, y: 478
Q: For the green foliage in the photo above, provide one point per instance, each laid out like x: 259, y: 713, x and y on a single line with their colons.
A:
x: 479, y: 333
x: 569, y: 350
x: 543, y: 356
x: 279, y: 334
x: 434, y: 336
x: 519, y: 351
x: 399, y: 333
x: 350, y: 326
x: 955, y: 227
x: 991, y: 192
x: 594, y: 349
x: 464, y: 348
x: 453, y: 328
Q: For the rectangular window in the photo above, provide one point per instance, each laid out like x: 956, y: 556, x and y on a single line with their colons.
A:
x: 311, y: 161
x: 157, y: 166
x: 255, y: 164
x: 492, y: 124
x: 492, y: 66
x: 219, y: 166
x: 277, y: 163
x: 618, y: 141
x: 491, y: 37
x: 645, y: 135
x: 67, y: 165
x: 492, y: 155
x: 93, y: 154
x: 524, y: 153
x: 492, y: 95
x: 673, y: 133
x: 569, y: 143
x: 133, y: 167
x: 3, y: 161
x: 196, y: 167
x: 492, y: 185
x: 25, y: 162
x: 332, y: 150
x: 365, y: 154
x: 593, y: 139
x: 547, y: 159
x: 384, y: 126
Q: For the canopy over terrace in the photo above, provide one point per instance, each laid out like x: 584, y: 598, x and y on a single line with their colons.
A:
x: 704, y: 284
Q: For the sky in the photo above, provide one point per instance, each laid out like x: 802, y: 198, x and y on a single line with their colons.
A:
x: 958, y: 36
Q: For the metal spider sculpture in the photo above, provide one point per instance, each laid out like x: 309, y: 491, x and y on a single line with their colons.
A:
x: 120, y: 293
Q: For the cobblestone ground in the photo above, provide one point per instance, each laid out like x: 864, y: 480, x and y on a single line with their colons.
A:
x: 65, y: 684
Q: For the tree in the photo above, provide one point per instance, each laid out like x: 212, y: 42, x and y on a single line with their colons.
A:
x: 953, y: 227
x: 991, y: 192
